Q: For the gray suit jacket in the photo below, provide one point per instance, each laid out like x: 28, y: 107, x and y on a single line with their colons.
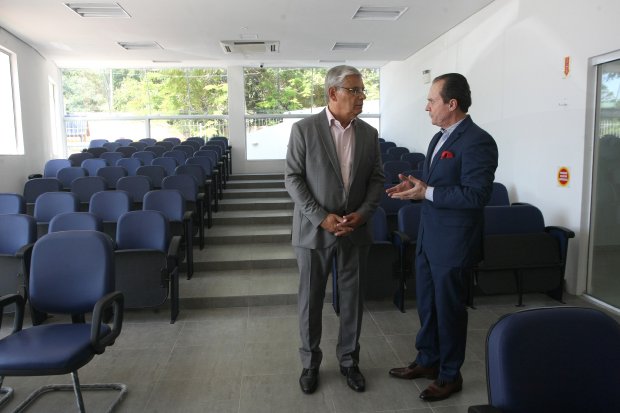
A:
x: 314, y: 181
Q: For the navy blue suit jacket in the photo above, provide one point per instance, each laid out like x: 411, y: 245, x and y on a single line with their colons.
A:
x: 451, y: 225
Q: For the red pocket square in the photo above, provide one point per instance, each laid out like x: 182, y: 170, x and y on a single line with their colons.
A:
x: 446, y: 154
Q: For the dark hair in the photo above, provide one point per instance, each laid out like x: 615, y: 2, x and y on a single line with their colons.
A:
x: 455, y: 86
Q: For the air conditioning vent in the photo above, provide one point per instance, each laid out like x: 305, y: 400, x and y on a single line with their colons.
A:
x: 250, y: 46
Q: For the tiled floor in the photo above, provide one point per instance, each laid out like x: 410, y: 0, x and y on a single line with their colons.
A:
x: 245, y: 360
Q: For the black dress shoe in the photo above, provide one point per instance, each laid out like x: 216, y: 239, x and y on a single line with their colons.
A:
x: 441, y: 389
x: 309, y: 380
x: 415, y: 371
x: 355, y: 378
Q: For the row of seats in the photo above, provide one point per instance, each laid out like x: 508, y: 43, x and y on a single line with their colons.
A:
x: 521, y: 253
x: 146, y: 255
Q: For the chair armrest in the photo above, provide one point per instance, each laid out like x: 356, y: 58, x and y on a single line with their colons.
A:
x: 400, y: 239
x: 520, y: 203
x: 553, y: 230
x: 173, y: 251
x: 116, y: 301
x: 485, y: 408
x: 33, y: 176
x: 20, y: 303
x: 188, y: 216
x: 24, y: 251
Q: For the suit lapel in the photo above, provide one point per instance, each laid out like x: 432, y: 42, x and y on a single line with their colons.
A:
x: 325, y: 135
x: 427, y: 161
x: 454, y: 136
x: 359, y: 141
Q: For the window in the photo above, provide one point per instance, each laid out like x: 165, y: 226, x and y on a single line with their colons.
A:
x: 140, y: 103
x: 275, y: 98
x: 11, y: 142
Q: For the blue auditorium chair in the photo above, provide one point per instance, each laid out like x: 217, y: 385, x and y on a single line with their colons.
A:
x: 52, y: 166
x: 65, y: 284
x: 148, y: 141
x: 384, y: 146
x: 157, y: 150
x: 155, y: 173
x: 138, y: 145
x: 131, y: 165
x: 171, y: 203
x: 146, y: 157
x: 391, y: 170
x: 397, y: 151
x: 414, y: 158
x: 76, y: 159
x: 204, y: 186
x: 85, y: 186
x: 111, y: 146
x: 111, y: 157
x: 111, y: 175
x: 391, y: 207
x: 212, y: 176
x: 92, y: 165
x: 193, y: 143
x: 67, y: 175
x: 50, y: 204
x: 97, y: 143
x: 499, y: 195
x: 126, y: 151
x: 123, y: 141
x: 109, y: 206
x: 68, y: 221
x: 187, y: 149
x: 11, y: 203
x: 554, y: 359
x: 405, y: 240
x: 136, y: 186
x: 221, y: 161
x: 178, y: 155
x: 166, y: 144
x: 521, y: 254
x: 146, y: 261
x: 37, y: 186
x: 173, y: 140
x: 169, y: 164
x: 96, y: 152
x: 227, y: 152
x: 194, y: 199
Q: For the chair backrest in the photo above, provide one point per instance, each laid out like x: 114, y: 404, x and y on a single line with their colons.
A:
x: 193, y: 170
x: 96, y: 152
x: 194, y: 144
x: 379, y: 226
x: 186, y: 184
x: 70, y: 271
x: 123, y: 141
x: 17, y: 230
x: 557, y: 359
x: 11, y: 203
x: 67, y: 175
x: 138, y: 145
x: 203, y: 161
x: 213, y: 146
x: 69, y: 221
x: 37, y: 186
x: 188, y: 149
x: 154, y: 172
x: 110, y: 205
x: 393, y: 168
x: 168, y: 163
x: 146, y: 157
x: 384, y: 146
x: 499, y: 195
x: 397, y: 150
x: 93, y: 164
x: 179, y: 156
x: 173, y: 140
x: 157, y: 150
x: 414, y: 158
x: 50, y: 204
x: 111, y: 175
x: 166, y: 144
x: 97, y: 143
x: 127, y: 151
x: 169, y: 202
x: 136, y: 186
x: 111, y: 157
x: 84, y: 187
x: 145, y: 229
x: 52, y: 167
x: 111, y: 146
x: 76, y: 159
x: 131, y: 165
x: 517, y: 219
x: 148, y: 141
x: 408, y: 220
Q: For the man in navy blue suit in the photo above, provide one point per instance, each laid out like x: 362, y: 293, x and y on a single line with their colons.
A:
x: 456, y: 184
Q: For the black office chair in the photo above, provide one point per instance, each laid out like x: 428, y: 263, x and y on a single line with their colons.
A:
x: 62, y: 283
x: 555, y: 359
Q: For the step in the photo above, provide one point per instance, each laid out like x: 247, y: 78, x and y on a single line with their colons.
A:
x: 245, y: 256
x: 252, y: 204
x: 255, y: 193
x: 245, y: 177
x: 274, y: 216
x: 252, y: 184
x: 250, y: 233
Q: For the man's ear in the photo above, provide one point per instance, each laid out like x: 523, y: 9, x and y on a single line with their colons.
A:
x: 331, y: 93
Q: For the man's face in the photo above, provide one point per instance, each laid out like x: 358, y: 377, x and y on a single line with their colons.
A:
x: 346, y: 103
x: 439, y: 111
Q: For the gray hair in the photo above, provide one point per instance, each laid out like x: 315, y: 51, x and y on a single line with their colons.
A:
x: 335, y: 77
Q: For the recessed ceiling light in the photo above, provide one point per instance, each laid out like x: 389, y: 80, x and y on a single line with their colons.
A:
x: 344, y: 46
x: 379, y: 13
x: 139, y: 45
x: 98, y: 10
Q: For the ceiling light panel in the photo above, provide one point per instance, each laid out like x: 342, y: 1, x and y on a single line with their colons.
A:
x: 379, y: 13
x: 99, y: 10
x: 140, y: 45
x: 343, y: 46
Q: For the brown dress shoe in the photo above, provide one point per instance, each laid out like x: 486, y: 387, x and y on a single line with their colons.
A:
x: 415, y: 371
x: 440, y: 389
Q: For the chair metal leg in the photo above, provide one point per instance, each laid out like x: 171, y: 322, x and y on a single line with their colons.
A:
x: 77, y: 391
x: 6, y: 393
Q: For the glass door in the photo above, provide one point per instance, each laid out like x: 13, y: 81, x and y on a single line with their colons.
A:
x: 604, y: 244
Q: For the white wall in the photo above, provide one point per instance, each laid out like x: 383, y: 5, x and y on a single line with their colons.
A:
x: 34, y: 73
x: 512, y: 53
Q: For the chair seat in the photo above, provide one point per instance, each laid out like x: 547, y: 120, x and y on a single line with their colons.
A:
x: 47, y: 350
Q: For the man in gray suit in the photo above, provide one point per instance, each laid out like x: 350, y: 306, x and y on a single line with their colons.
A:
x: 334, y: 175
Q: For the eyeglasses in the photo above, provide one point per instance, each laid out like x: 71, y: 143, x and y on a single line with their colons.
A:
x: 355, y: 91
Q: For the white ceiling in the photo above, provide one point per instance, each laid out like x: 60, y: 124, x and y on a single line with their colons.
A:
x: 189, y: 31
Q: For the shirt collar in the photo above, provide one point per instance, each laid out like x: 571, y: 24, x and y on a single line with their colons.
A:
x: 331, y: 119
